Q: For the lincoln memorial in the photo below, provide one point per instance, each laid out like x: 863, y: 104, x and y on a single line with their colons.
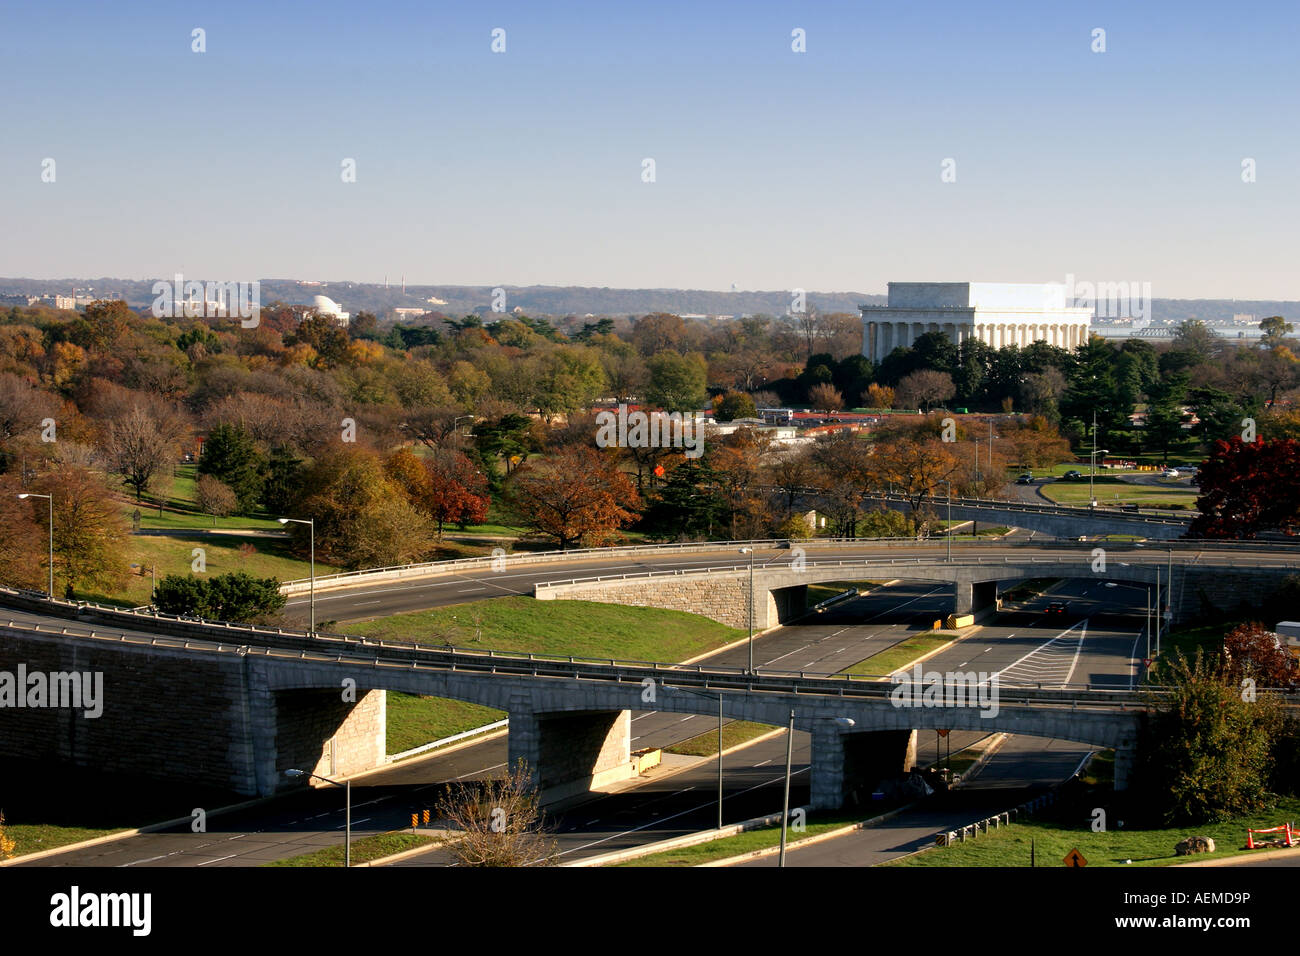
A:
x: 996, y: 313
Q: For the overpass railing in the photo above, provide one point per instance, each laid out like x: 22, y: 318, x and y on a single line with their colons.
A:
x: 435, y: 568
x: 1154, y: 558
x: 344, y: 648
x: 489, y: 663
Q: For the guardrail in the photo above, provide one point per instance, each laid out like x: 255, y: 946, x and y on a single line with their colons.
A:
x: 341, y: 647
x: 435, y: 568
x: 1156, y: 559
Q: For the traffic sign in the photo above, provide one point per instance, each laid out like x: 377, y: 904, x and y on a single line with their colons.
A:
x: 1075, y: 858
x: 943, y: 733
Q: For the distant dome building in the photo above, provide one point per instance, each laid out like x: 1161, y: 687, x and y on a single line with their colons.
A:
x: 326, y: 306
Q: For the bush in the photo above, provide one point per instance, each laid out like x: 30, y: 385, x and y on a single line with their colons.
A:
x: 237, y: 597
x: 1206, y: 750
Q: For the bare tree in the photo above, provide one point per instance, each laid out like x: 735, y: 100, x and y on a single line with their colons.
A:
x: 135, y: 447
x: 215, y: 498
x: 825, y: 397
x: 497, y: 821
x: 925, y: 388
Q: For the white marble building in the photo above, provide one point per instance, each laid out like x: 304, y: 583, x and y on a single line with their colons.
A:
x: 997, y: 313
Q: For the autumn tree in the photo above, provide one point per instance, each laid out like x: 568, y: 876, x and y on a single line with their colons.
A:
x: 1248, y: 487
x: 879, y: 396
x: 576, y: 496
x: 89, y: 534
x: 916, y: 468
x: 497, y: 821
x: 363, y: 517
x: 445, y: 485
x: 735, y: 405
x: 23, y: 543
x: 1251, y: 650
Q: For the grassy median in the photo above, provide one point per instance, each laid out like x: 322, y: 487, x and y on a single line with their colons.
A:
x: 760, y: 839
x: 734, y: 733
x: 363, y: 850
x: 900, y: 655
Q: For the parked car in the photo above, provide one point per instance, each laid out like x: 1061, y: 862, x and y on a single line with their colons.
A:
x: 1058, y: 607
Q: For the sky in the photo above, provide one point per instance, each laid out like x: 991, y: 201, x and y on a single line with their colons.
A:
x: 773, y: 169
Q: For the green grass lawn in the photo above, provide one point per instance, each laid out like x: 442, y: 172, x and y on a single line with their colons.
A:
x: 1177, y: 494
x: 579, y: 628
x: 363, y: 850
x: 898, y: 656
x: 734, y: 733
x: 414, y: 721
x: 746, y: 842
x: 173, y: 554
x: 1009, y: 846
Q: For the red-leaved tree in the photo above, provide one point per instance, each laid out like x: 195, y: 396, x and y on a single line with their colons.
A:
x: 1249, y: 487
x: 1251, y: 650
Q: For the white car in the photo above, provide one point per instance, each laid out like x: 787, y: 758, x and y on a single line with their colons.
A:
x: 1170, y: 473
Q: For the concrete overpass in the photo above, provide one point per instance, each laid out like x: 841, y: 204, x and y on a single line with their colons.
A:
x: 1058, y: 520
x: 1192, y: 581
x: 236, y: 706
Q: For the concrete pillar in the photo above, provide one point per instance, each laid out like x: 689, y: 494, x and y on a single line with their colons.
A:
x: 847, y: 767
x: 571, y: 752
x: 1125, y: 759
x: 973, y: 597
x: 259, y: 719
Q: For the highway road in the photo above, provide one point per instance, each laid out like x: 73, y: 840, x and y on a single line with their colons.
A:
x: 1023, y: 765
x: 380, y: 599
x: 823, y: 643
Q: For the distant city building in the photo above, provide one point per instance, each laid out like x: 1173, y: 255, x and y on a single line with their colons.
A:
x: 1244, y: 318
x: 327, y: 307
x: 996, y: 313
x: 409, y: 313
x: 53, y: 301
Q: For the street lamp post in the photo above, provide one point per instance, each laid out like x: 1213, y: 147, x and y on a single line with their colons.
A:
x: 1092, y: 498
x: 347, y: 809
x: 311, y: 524
x: 719, y: 760
x: 50, y: 499
x: 750, y: 552
x: 1146, y: 621
x: 949, y: 484
x: 844, y: 722
x: 785, y: 804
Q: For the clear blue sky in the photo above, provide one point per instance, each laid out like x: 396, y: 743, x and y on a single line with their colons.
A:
x: 775, y: 169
